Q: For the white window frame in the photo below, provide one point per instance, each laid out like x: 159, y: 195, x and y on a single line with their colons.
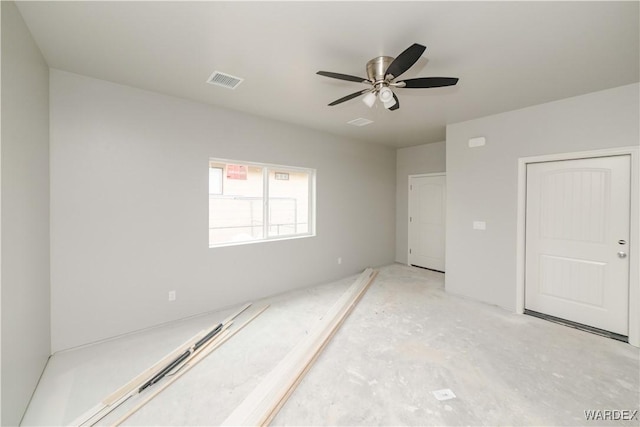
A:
x: 266, y: 168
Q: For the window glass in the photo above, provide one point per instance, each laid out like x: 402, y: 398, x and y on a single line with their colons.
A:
x: 288, y: 202
x: 215, y: 180
x: 250, y: 202
x: 237, y: 214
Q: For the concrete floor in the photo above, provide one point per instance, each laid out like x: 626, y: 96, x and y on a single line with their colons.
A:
x: 405, y: 339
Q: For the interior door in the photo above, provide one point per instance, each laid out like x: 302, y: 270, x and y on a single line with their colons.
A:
x: 577, y: 234
x: 427, y: 203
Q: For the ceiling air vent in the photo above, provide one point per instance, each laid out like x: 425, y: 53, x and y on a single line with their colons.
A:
x: 360, y: 122
x: 224, y: 80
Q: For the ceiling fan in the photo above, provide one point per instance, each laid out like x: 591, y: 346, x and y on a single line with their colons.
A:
x: 381, y: 74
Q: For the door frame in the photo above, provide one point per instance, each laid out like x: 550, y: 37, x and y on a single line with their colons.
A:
x: 421, y: 175
x: 634, y: 227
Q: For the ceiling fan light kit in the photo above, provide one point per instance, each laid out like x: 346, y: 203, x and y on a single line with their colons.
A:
x: 381, y: 74
x: 389, y: 104
x: 385, y: 94
x: 369, y: 99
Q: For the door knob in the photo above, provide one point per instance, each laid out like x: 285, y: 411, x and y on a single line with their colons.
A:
x: 622, y: 254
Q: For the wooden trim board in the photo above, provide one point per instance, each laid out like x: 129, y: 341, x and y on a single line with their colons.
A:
x: 119, y: 396
x: 204, y: 352
x: 264, y: 402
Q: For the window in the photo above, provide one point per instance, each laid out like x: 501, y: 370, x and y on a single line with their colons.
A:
x: 251, y: 202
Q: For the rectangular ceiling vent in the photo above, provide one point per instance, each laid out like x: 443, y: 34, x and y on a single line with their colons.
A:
x: 224, y: 80
x: 360, y: 122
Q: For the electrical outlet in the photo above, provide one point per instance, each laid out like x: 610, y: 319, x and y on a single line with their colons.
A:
x: 172, y: 295
x: 339, y: 260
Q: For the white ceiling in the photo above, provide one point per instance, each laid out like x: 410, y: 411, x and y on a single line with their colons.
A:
x: 508, y: 55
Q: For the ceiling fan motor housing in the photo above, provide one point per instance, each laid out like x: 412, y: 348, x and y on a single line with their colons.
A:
x: 377, y: 67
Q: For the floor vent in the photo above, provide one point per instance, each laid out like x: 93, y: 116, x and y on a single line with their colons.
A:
x: 224, y: 80
x: 360, y: 122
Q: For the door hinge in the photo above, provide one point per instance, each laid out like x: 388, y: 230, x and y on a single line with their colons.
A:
x: 409, y: 251
x: 410, y: 219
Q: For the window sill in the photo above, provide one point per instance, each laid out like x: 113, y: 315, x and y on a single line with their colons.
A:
x: 272, y: 239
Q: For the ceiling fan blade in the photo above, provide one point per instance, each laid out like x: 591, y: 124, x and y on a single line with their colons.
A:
x: 427, y: 82
x: 405, y: 60
x: 397, y: 104
x: 348, y: 97
x: 343, y: 77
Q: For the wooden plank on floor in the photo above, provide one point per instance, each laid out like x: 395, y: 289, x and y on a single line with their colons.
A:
x: 119, y: 396
x: 204, y: 352
x: 264, y: 402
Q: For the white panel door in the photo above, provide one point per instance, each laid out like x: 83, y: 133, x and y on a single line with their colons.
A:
x: 577, y: 234
x: 427, y: 202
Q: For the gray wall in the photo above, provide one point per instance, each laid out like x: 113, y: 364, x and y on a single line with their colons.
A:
x: 427, y: 158
x: 25, y: 215
x: 482, y: 182
x: 129, y: 209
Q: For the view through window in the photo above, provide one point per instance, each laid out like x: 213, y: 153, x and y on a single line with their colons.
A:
x: 251, y: 202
